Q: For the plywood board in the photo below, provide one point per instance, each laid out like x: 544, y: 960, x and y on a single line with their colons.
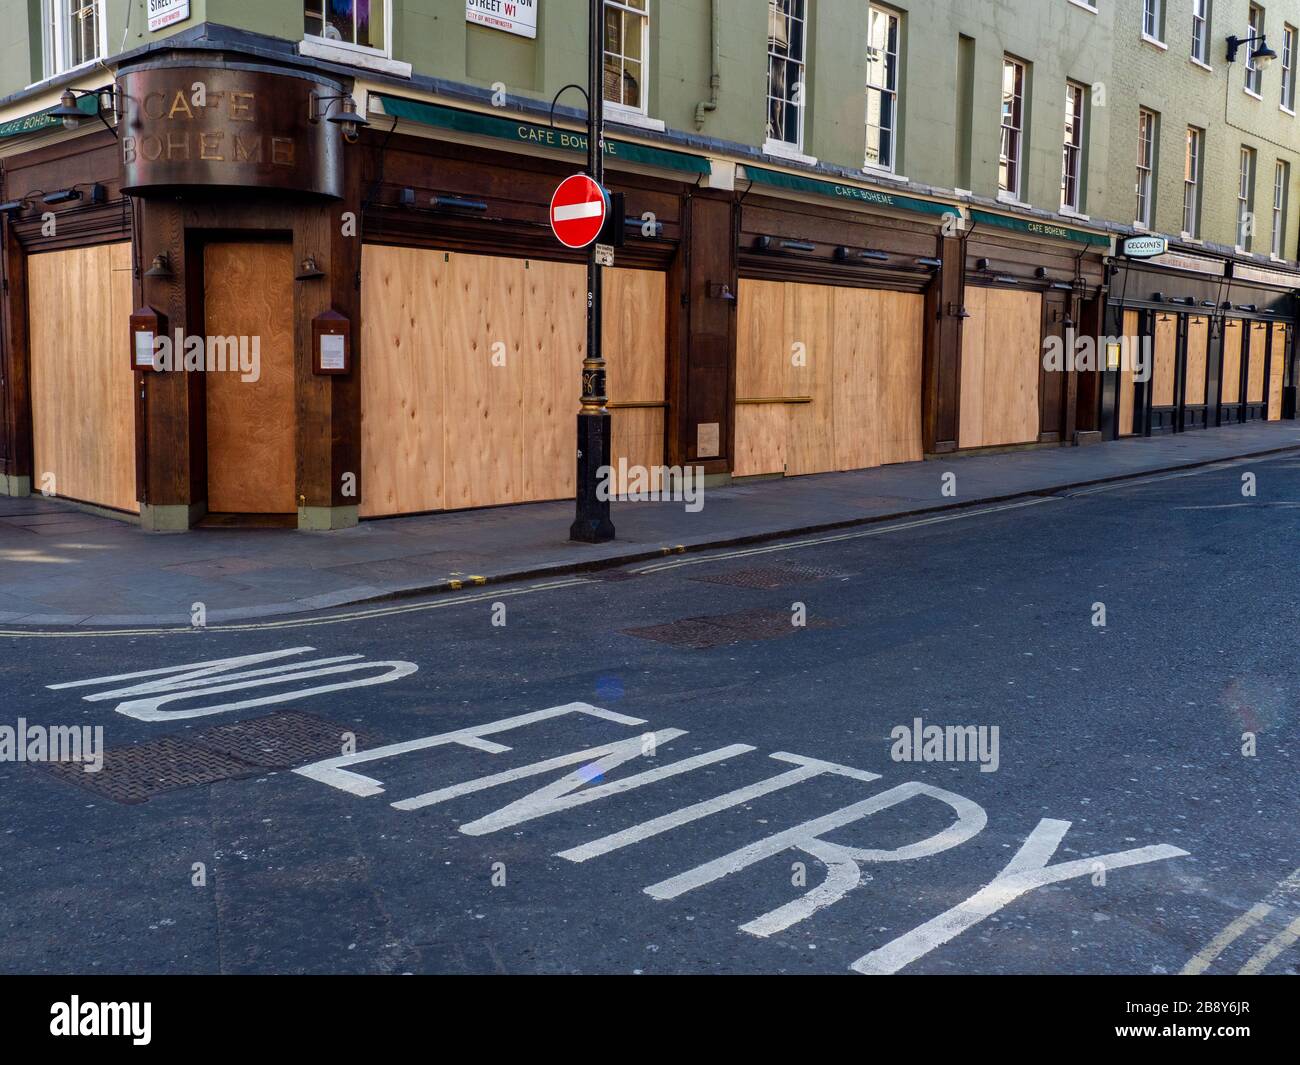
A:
x: 762, y: 430
x: 1128, y: 352
x: 900, y: 340
x: 83, y: 413
x: 1198, y: 339
x: 1258, y: 357
x: 1277, y: 372
x: 856, y: 347
x: 248, y: 292
x: 1230, y: 390
x: 1166, y: 355
x: 762, y: 357
x: 635, y: 331
x: 1001, y: 356
x: 403, y: 391
x: 811, y: 447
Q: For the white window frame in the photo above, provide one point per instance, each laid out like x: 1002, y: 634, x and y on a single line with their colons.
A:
x: 1192, y: 162
x: 370, y: 57
x: 1201, y: 32
x: 1079, y: 118
x: 1245, y: 194
x: 1145, y: 186
x: 56, y: 37
x: 616, y: 109
x: 1153, y: 18
x: 1281, y: 178
x: 893, y: 91
x: 1288, y: 68
x: 775, y: 145
x: 1254, y: 75
x: 1012, y: 134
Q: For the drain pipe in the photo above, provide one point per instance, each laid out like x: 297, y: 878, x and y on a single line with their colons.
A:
x: 715, y: 78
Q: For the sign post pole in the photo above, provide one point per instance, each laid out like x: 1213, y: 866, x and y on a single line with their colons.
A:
x: 592, y: 524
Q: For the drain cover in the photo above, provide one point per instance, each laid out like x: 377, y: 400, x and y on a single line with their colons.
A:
x: 240, y: 748
x: 719, y: 630
x: 779, y: 576
x: 134, y: 774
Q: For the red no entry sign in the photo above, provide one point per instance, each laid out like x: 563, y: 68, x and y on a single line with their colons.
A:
x: 578, y: 211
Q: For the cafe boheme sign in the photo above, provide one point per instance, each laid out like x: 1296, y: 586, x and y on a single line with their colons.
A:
x: 227, y: 127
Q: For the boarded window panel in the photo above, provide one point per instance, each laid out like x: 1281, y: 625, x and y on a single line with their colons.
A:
x: 811, y: 448
x: 1198, y: 338
x: 1258, y: 356
x: 1166, y: 352
x: 1277, y: 371
x: 554, y: 345
x: 402, y: 387
x: 1130, y: 346
x: 1003, y: 338
x: 635, y: 324
x: 761, y: 356
x: 856, y: 345
x: 898, y: 408
x: 83, y: 415
x: 1231, y: 390
x: 252, y: 452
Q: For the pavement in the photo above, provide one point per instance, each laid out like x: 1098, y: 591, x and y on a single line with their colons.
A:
x: 467, y: 783
x: 61, y: 566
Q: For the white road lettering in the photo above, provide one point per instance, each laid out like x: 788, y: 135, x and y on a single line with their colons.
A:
x: 331, y: 771
x: 1026, y: 871
x: 807, y: 769
x: 841, y: 861
x: 215, y: 677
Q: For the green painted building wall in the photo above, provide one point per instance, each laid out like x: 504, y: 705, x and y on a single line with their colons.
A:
x: 951, y: 57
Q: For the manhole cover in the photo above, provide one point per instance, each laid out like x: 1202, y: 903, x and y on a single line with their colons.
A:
x: 719, y: 630
x: 779, y: 576
x: 134, y: 774
x: 280, y: 741
x: 239, y: 748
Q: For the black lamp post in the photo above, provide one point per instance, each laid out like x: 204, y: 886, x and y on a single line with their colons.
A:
x: 592, y: 524
x: 1260, y: 58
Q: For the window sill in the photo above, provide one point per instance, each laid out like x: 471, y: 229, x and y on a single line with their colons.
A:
x: 1141, y: 227
x: 1252, y: 94
x: 1070, y: 212
x: 629, y: 116
x: 782, y: 150
x: 64, y: 75
x: 1286, y: 110
x: 1010, y: 199
x: 1187, y: 238
x: 883, y: 174
x: 352, y: 56
x: 1202, y: 64
x: 1155, y: 43
x: 1092, y: 10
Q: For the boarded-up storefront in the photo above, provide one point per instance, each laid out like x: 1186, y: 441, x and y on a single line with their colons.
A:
x: 1001, y: 353
x: 471, y: 374
x: 1277, y: 370
x: 827, y: 378
x: 83, y: 420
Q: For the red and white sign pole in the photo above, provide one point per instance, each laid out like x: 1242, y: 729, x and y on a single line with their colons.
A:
x: 591, y: 523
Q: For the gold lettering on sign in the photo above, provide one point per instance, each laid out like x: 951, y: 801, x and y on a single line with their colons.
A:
x: 241, y: 106
x: 281, y: 151
x: 128, y: 149
x: 248, y: 153
x: 178, y: 147
x: 210, y: 146
x: 151, y: 148
x: 180, y: 104
x: 156, y: 97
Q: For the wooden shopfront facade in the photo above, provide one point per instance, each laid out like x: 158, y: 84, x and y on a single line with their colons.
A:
x: 760, y: 321
x: 1218, y: 333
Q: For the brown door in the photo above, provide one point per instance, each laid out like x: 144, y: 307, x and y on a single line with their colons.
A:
x: 248, y: 296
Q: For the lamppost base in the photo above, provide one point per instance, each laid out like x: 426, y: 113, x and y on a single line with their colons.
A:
x: 592, y: 524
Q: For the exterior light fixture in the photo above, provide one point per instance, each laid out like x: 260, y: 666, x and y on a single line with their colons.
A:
x: 1157, y: 297
x: 97, y: 195
x: 982, y: 264
x: 346, y: 117
x: 843, y: 254
x: 930, y: 262
x: 458, y: 203
x: 1260, y: 58
x: 71, y: 115
x: 160, y: 267
x: 406, y: 198
x: 309, y: 271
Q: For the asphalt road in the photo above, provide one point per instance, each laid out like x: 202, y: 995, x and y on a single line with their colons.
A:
x: 1115, y: 738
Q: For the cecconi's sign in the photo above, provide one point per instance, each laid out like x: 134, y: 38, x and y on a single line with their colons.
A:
x: 227, y: 127
x: 1144, y: 247
x: 512, y: 16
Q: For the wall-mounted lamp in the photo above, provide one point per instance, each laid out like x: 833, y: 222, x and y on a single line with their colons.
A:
x: 955, y: 310
x: 97, y: 195
x: 346, y: 117
x: 457, y: 203
x: 982, y: 264
x: 13, y: 207
x: 656, y: 229
x: 930, y: 262
x: 309, y: 271
x: 1157, y: 297
x: 406, y: 198
x: 719, y: 290
x: 1247, y: 307
x: 1006, y: 279
x: 1041, y: 273
x: 161, y: 266
x: 798, y: 245
x: 844, y: 255
x: 1207, y: 303
x: 71, y: 115
x: 1261, y: 57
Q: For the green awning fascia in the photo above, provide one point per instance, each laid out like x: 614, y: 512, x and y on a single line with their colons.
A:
x: 1036, y: 228
x: 40, y: 120
x: 537, y: 136
x: 841, y: 191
